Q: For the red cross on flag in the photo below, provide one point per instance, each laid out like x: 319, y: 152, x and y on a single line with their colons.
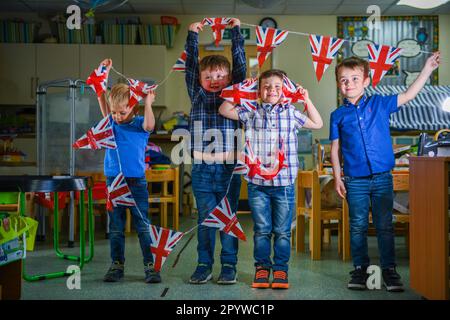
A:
x: 119, y: 193
x: 223, y: 218
x: 291, y: 92
x: 180, y: 65
x: 323, y: 50
x: 244, y: 93
x: 381, y: 59
x: 138, y: 90
x: 100, y: 136
x: 98, y: 80
x: 163, y: 242
x: 268, y: 173
x: 218, y: 26
x: 266, y: 40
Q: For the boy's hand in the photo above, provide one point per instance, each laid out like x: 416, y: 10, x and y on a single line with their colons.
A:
x: 303, y: 91
x: 235, y: 22
x: 196, y: 27
x: 340, y: 188
x: 150, y: 98
x: 107, y: 63
x: 432, y: 62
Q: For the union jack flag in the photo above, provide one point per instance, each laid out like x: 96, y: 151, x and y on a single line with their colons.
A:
x: 100, y: 136
x: 138, y: 90
x: 163, y: 242
x: 180, y: 65
x: 266, y: 40
x: 323, y: 50
x: 244, y: 93
x: 218, y: 26
x: 98, y: 80
x: 223, y: 218
x: 291, y: 92
x: 119, y: 194
x: 240, y: 168
x: 381, y: 59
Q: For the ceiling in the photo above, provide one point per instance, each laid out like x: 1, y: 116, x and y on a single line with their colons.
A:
x: 225, y: 7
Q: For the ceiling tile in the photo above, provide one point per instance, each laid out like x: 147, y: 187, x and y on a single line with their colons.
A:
x: 357, y: 10
x: 209, y: 8
x: 407, y: 10
x: 310, y: 10
x: 13, y: 7
x: 158, y: 8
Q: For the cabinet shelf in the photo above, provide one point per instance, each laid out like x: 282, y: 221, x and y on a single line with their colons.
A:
x: 18, y: 164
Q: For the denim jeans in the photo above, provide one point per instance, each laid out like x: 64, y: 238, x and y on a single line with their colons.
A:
x: 117, y: 219
x: 209, y: 184
x: 272, y: 209
x: 377, y: 191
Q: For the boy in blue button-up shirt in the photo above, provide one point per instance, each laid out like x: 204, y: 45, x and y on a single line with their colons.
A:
x: 361, y: 128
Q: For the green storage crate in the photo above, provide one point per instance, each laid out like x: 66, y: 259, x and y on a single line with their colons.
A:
x: 8, y: 197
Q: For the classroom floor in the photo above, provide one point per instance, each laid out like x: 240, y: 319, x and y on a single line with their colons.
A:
x: 324, y: 279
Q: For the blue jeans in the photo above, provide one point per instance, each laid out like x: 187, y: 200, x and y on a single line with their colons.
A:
x: 209, y: 184
x: 117, y: 219
x: 377, y: 191
x: 272, y: 209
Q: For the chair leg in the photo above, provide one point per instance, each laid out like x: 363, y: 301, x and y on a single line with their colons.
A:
x: 339, y: 238
x: 300, y: 233
x: 316, y: 237
x: 128, y: 222
x: 176, y: 213
x: 326, y: 234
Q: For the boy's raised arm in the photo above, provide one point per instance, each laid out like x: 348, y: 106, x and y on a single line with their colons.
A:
x: 228, y: 110
x: 430, y: 65
x: 192, y: 65
x: 149, y: 118
x: 314, y: 120
x: 239, y: 72
x: 104, y: 108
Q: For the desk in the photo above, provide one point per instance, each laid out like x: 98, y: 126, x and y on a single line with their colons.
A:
x: 55, y: 184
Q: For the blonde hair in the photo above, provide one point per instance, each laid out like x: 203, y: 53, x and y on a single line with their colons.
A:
x: 119, y: 93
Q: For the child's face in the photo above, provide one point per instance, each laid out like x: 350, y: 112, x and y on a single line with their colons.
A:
x: 121, y: 112
x: 351, y: 82
x: 271, y: 90
x: 214, y: 80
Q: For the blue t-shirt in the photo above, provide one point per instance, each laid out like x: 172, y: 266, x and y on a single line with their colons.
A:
x: 363, y: 131
x: 131, y: 141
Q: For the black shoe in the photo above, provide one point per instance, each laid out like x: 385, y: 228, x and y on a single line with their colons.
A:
x: 359, y: 278
x: 115, y: 272
x: 201, y: 275
x: 151, y: 275
x: 392, y: 281
x: 227, y: 274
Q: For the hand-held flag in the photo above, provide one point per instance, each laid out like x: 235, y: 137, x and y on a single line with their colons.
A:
x: 98, y: 80
x: 218, y: 26
x: 381, y: 59
x: 244, y: 93
x: 138, y: 91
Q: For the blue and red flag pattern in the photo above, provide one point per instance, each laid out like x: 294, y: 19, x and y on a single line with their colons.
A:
x: 218, y: 26
x: 323, y: 50
x: 266, y: 40
x: 381, y: 59
x: 98, y: 137
x: 119, y: 193
x: 163, y: 242
x: 98, y: 80
x: 244, y: 93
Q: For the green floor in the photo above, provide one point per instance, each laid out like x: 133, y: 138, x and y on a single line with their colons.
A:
x: 324, y: 279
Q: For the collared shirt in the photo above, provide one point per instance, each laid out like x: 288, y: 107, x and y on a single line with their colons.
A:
x: 264, y: 129
x: 363, y: 131
x: 204, y: 115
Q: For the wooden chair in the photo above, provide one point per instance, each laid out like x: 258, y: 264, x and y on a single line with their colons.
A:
x: 319, y: 218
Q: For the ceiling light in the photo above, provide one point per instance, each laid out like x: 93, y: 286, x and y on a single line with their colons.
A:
x: 422, y: 4
x: 262, y: 4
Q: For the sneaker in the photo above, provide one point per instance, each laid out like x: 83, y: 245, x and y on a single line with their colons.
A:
x: 359, y: 278
x: 202, y: 274
x: 115, y: 272
x: 151, y: 275
x: 392, y: 281
x: 280, y: 280
x: 227, y: 274
x: 261, y: 278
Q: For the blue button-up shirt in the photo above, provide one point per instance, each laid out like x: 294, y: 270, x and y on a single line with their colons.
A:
x: 363, y: 131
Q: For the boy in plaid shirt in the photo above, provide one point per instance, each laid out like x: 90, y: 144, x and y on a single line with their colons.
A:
x: 205, y: 80
x: 272, y: 200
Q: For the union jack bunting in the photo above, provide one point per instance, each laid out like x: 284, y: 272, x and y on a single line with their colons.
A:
x: 323, y: 50
x: 240, y: 168
x: 180, y: 65
x: 98, y: 80
x: 100, y: 136
x: 266, y: 40
x: 218, y: 26
x: 119, y: 194
x: 272, y: 172
x: 223, y: 218
x: 244, y: 93
x: 291, y: 92
x: 381, y: 59
x: 138, y: 90
x: 163, y: 242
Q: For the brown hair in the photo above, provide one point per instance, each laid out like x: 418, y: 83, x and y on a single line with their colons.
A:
x: 271, y: 73
x: 215, y: 61
x: 120, y: 92
x: 352, y: 63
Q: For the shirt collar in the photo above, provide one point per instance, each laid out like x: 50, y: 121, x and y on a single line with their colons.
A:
x: 361, y: 101
x: 269, y: 107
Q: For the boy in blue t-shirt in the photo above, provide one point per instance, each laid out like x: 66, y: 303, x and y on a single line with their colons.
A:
x: 361, y: 127
x: 131, y: 133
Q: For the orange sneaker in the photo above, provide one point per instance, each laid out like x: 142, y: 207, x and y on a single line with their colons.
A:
x: 261, y: 280
x: 280, y: 280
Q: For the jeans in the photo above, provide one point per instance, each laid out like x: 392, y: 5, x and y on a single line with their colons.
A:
x: 117, y: 219
x: 209, y: 184
x: 377, y: 191
x: 272, y: 209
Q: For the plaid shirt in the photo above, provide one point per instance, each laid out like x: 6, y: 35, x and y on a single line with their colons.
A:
x: 205, y: 105
x: 264, y: 129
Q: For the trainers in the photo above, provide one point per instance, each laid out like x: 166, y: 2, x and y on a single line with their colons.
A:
x: 261, y: 279
x: 359, y: 278
x: 392, y: 281
x: 151, y: 275
x: 227, y: 274
x: 115, y: 272
x: 280, y: 280
x: 202, y: 274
